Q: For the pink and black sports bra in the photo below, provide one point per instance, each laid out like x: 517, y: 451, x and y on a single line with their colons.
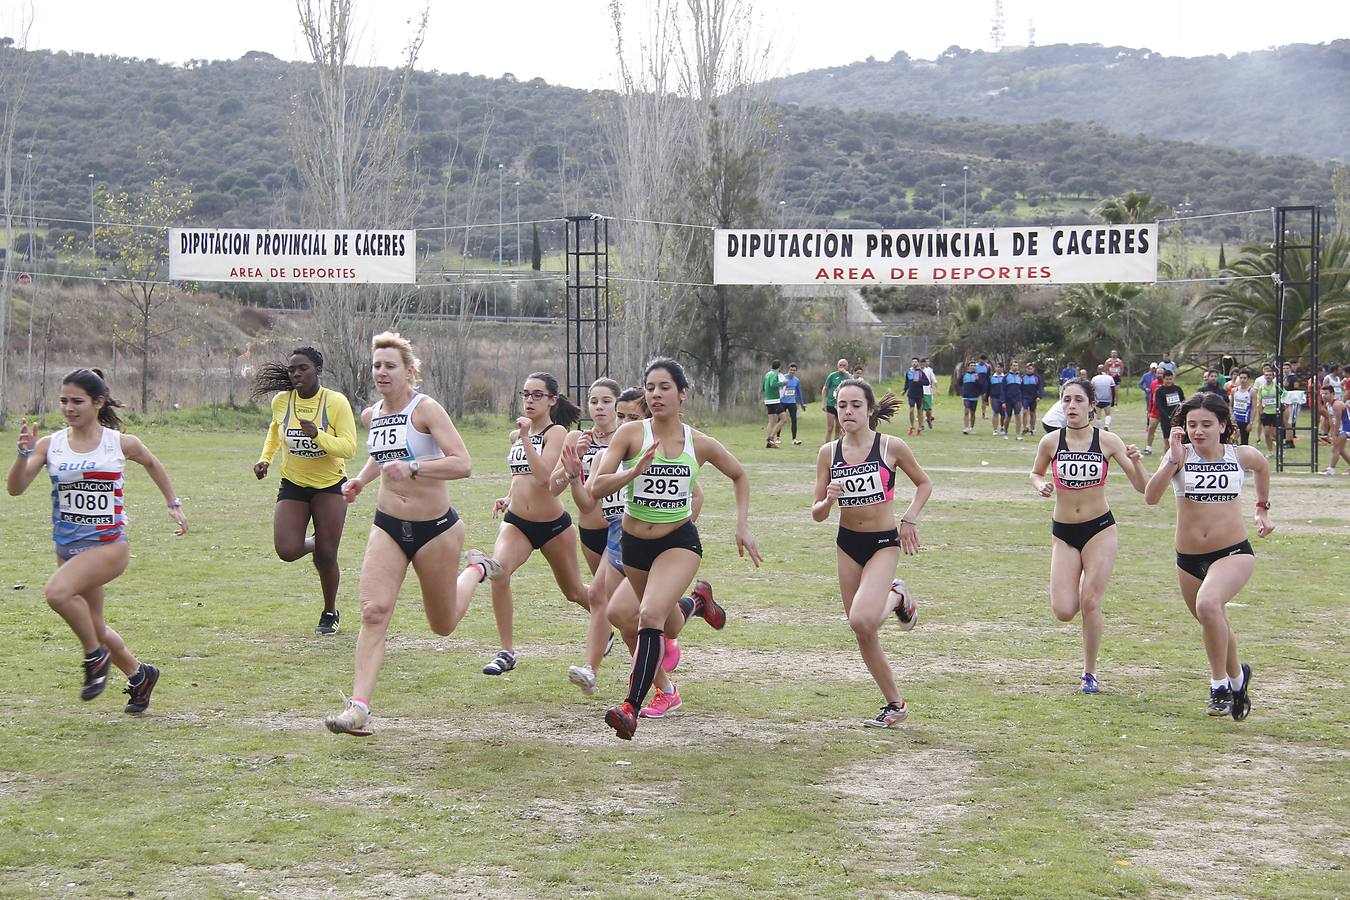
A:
x: 866, y: 483
x: 1078, y: 470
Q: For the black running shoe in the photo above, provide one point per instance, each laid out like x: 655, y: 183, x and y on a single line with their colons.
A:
x: 328, y: 623
x: 1242, y: 704
x: 1220, y: 701
x: 609, y: 644
x: 504, y: 661
x: 96, y: 674
x: 140, y: 693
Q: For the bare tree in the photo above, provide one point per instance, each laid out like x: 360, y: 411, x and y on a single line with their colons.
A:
x: 350, y: 141
x: 644, y: 121
x: 14, y: 75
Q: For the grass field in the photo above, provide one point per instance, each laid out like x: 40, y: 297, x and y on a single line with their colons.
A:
x: 1003, y: 783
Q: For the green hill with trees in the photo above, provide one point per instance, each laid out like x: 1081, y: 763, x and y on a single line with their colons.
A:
x: 1292, y: 100
x: 222, y: 127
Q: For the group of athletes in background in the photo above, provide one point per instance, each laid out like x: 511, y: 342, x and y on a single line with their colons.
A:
x: 633, y: 478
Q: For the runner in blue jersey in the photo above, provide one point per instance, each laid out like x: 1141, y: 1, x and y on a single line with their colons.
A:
x: 1033, y: 389
x: 983, y: 369
x: 972, y: 389
x: 792, y: 399
x: 997, y: 380
x: 1012, y: 401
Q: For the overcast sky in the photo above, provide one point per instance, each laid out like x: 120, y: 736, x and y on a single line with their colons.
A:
x: 570, y: 42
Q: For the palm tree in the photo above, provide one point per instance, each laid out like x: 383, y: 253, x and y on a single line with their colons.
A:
x: 1131, y: 208
x: 1245, y: 309
x: 1098, y: 318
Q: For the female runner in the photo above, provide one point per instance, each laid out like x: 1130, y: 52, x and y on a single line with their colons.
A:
x: 534, y: 518
x: 580, y: 451
x: 623, y: 606
x: 86, y: 462
x: 1214, y: 557
x: 414, y: 449
x: 868, y: 544
x: 661, y: 548
x: 1340, y: 430
x: 1084, y: 535
x: 314, y: 428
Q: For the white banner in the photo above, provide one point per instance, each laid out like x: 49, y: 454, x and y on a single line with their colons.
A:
x: 1068, y: 254
x: 350, y: 256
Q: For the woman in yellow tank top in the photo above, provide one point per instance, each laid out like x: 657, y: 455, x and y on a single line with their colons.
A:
x: 314, y: 428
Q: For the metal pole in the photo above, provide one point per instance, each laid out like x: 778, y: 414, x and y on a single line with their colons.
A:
x: 944, y: 204
x: 965, y: 181
x: 93, y: 240
x: 501, y: 174
x: 517, y: 257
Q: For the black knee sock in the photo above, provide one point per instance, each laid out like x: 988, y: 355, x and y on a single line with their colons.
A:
x: 686, y: 607
x: 646, y: 661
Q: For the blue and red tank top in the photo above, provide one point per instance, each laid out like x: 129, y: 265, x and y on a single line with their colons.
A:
x: 87, y: 502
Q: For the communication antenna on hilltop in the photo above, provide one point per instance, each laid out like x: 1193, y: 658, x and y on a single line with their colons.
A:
x: 996, y: 31
x: 1031, y: 32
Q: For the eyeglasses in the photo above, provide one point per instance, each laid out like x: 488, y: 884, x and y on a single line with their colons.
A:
x: 535, y: 395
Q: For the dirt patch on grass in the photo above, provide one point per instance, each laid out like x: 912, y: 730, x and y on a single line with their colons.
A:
x: 939, y: 787
x: 1186, y: 836
x: 351, y: 879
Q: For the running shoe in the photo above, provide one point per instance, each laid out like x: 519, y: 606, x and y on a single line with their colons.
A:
x: 1088, y: 684
x: 797, y: 443
x: 1242, y: 704
x: 891, y: 715
x: 903, y: 604
x: 140, y: 692
x: 504, y: 661
x: 670, y: 654
x: 353, y: 720
x: 1148, y: 451
x: 96, y: 674
x: 584, y: 678
x: 1220, y: 701
x: 623, y: 719
x: 662, y: 703
x: 328, y: 623
x: 491, y: 567
x: 911, y: 431
x: 706, y: 606
x: 609, y: 644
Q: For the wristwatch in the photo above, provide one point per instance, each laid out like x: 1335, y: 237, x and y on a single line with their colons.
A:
x: 414, y: 466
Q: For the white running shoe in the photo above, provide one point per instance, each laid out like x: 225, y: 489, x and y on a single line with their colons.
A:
x: 491, y: 567
x: 353, y: 720
x: 584, y: 678
x: 902, y: 603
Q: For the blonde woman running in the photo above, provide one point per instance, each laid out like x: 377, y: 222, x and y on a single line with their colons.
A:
x: 868, y: 543
x: 414, y: 450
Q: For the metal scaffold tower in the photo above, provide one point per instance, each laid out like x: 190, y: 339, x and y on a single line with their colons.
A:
x: 587, y: 329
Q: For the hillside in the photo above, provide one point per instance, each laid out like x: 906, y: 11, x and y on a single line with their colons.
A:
x: 223, y: 126
x: 1292, y: 100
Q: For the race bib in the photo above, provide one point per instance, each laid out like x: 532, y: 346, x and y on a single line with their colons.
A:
x: 388, y: 438
x: 860, y: 485
x: 1210, y: 482
x: 1076, y: 471
x: 302, y: 445
x: 1173, y: 399
x: 87, y: 502
x: 663, y: 486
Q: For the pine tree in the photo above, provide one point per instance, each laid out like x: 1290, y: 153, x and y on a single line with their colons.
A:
x: 536, y: 257
x: 1223, y: 261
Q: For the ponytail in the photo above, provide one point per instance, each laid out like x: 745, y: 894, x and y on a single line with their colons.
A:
x: 91, y: 382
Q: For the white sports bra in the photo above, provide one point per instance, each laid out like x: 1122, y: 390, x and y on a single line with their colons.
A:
x: 393, y: 437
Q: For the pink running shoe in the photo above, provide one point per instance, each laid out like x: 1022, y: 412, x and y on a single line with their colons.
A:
x: 662, y: 703
x: 670, y: 654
